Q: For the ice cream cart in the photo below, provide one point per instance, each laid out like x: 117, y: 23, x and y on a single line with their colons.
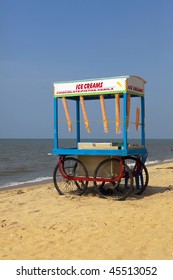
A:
x: 113, y: 168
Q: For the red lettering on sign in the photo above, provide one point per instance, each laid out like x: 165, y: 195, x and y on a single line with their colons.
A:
x: 79, y: 86
x: 97, y: 85
x: 135, y: 88
x: 93, y: 85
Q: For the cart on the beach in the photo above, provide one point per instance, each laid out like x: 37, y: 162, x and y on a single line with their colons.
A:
x: 113, y: 168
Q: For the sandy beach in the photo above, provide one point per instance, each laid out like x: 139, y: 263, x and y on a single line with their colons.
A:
x: 37, y: 223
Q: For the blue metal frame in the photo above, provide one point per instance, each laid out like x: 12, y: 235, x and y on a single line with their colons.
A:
x: 93, y: 152
x: 125, y: 121
x: 124, y: 151
x: 55, y: 125
x: 143, y: 121
x: 77, y: 121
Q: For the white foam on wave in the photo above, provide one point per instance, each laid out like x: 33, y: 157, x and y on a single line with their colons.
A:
x: 37, y: 180
x: 151, y: 162
x: 168, y: 160
x: 154, y: 162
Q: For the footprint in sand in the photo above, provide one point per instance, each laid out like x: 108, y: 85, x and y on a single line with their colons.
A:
x: 20, y: 192
x: 3, y: 223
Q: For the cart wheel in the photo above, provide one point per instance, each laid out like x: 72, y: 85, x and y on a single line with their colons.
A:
x: 142, y: 180
x: 125, y: 185
x: 67, y: 174
x: 134, y: 164
x: 110, y: 180
x: 139, y: 172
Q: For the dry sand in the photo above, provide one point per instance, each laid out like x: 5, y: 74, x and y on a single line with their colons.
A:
x: 37, y: 223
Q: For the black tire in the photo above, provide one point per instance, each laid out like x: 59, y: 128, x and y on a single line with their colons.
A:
x: 125, y: 185
x: 120, y: 188
x: 63, y: 177
x: 134, y: 164
x: 139, y: 172
x: 142, y: 180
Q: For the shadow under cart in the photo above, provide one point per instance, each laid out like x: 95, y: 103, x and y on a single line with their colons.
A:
x: 117, y: 177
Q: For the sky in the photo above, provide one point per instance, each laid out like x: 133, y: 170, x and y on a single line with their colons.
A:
x: 47, y: 41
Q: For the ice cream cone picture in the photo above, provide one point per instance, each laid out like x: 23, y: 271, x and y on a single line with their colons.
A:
x: 103, y: 108
x: 128, y: 111
x: 117, y: 110
x: 65, y: 105
x: 84, y: 114
x: 137, y: 117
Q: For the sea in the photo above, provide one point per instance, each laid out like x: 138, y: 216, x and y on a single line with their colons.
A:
x: 30, y: 161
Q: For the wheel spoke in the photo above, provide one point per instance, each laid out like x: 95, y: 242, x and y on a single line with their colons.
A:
x: 64, y: 176
x: 112, y: 169
x: 139, y: 172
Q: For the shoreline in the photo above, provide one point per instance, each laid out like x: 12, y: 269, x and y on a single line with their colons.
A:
x: 45, y: 181
x: 25, y: 185
x: 37, y: 223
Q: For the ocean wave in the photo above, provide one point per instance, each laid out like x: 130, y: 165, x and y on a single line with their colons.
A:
x: 154, y: 162
x: 15, y: 184
x: 16, y: 170
x: 168, y: 160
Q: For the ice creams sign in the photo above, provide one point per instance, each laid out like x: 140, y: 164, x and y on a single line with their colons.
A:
x: 99, y: 86
x: 86, y: 86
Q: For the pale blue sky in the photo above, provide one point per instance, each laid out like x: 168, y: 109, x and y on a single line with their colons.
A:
x: 43, y: 41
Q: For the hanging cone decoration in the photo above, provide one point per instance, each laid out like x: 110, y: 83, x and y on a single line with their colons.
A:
x: 65, y: 105
x: 137, y: 118
x: 128, y: 111
x: 117, y: 110
x: 84, y: 114
x: 103, y: 108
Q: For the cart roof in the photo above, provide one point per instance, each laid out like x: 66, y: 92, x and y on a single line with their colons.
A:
x: 94, y: 87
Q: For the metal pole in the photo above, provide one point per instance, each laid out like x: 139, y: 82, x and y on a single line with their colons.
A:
x: 125, y: 121
x: 55, y: 123
x: 77, y: 120
x: 143, y: 121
